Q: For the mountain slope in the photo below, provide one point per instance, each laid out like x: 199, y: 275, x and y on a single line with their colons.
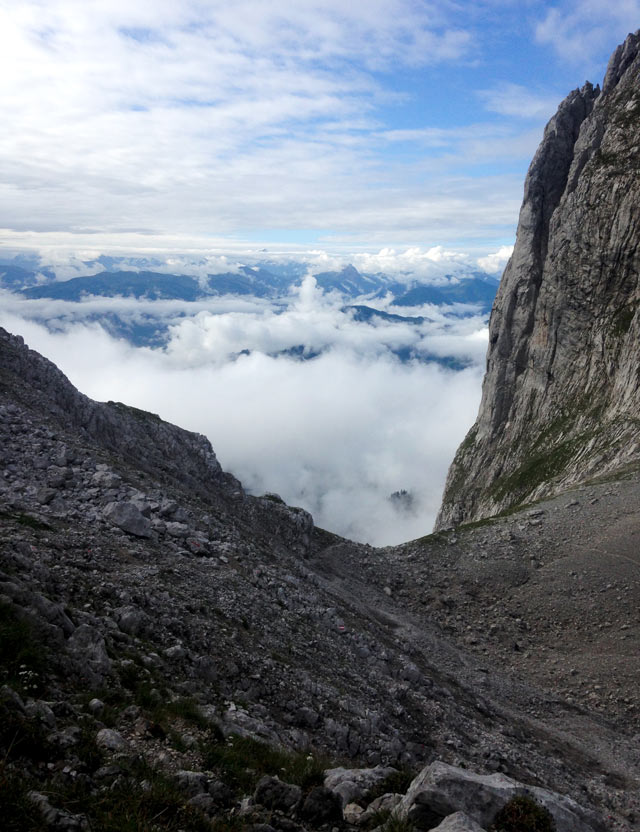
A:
x: 147, y: 580
x: 561, y: 395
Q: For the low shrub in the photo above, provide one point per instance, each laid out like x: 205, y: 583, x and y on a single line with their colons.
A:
x: 23, y: 656
x: 396, y: 783
x: 242, y: 761
x: 523, y: 814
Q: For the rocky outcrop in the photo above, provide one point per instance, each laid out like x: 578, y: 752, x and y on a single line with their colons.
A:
x: 440, y: 790
x: 561, y: 395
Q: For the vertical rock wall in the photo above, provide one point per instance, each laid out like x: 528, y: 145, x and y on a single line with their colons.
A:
x: 561, y: 394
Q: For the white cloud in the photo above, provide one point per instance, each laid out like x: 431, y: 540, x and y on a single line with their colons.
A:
x: 494, y: 263
x: 337, y: 434
x: 583, y: 30
x: 431, y: 265
x: 218, y: 118
x: 509, y: 99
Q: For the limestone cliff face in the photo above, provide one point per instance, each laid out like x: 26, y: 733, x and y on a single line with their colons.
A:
x: 561, y: 394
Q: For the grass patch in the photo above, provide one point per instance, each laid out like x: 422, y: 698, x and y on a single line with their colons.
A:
x: 21, y: 737
x: 18, y: 813
x: 23, y: 656
x: 460, y: 478
x: 396, y: 824
x: 145, y: 801
x: 435, y: 537
x: 242, y: 761
x: 183, y: 708
x: 377, y: 819
x: 87, y: 749
x: 140, y: 415
x: 397, y: 782
x: 537, y: 468
x: 26, y: 520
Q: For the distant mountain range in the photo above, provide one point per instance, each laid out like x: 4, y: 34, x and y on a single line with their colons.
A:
x: 465, y: 292
x: 473, y: 287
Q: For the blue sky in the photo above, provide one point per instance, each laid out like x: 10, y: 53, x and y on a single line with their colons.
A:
x: 152, y: 125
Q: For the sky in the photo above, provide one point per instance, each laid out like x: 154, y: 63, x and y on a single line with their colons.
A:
x: 391, y: 134
x: 149, y: 124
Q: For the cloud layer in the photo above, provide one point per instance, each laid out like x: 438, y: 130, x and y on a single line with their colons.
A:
x: 337, y: 434
x: 256, y: 119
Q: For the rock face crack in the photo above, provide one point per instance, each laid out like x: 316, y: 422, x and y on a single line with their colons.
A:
x: 562, y: 363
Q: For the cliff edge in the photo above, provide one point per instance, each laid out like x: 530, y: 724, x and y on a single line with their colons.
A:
x: 561, y: 395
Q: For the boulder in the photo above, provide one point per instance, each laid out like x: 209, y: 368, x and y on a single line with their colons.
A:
x: 384, y: 803
x: 441, y: 790
x: 111, y: 740
x: 192, y: 783
x: 353, y: 785
x: 179, y: 530
x: 128, y: 517
x: 88, y: 647
x: 458, y: 822
x: 321, y: 805
x: 131, y: 620
x: 272, y: 793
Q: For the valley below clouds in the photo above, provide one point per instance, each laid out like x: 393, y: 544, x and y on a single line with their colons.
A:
x: 330, y: 403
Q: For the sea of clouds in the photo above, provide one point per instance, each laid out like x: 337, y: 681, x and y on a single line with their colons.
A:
x: 335, y: 427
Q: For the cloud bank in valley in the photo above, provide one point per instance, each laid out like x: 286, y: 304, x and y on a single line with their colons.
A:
x: 337, y: 434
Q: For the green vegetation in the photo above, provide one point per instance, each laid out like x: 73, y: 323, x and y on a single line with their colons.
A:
x: 144, y: 800
x: 26, y: 520
x: 242, y: 761
x: 396, y: 824
x: 273, y: 498
x: 377, y: 819
x: 396, y: 783
x: 18, y: 813
x: 538, y: 468
x: 434, y: 537
x: 460, y: 477
x: 551, y: 451
x: 140, y: 415
x: 23, y: 656
x: 523, y: 814
x: 21, y: 738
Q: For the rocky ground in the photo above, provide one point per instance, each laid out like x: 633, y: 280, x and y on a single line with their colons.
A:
x: 155, y: 619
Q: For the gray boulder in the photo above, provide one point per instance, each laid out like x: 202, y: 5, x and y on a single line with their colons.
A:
x: 272, y: 793
x: 105, y: 478
x: 88, y: 647
x: 179, y: 530
x: 441, y: 790
x: 384, y: 803
x: 111, y: 740
x: 128, y: 517
x: 321, y: 806
x: 458, y: 822
x: 131, y: 620
x: 353, y: 785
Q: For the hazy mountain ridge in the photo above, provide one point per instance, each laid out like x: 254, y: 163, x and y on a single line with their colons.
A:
x: 561, y: 395
x: 463, y: 295
x: 463, y: 287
